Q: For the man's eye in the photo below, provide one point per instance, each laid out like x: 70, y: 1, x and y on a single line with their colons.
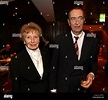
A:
x: 81, y: 18
x: 73, y: 18
x: 77, y: 18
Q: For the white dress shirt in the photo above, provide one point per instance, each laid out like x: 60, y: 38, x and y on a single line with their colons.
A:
x: 79, y: 41
x: 37, y: 59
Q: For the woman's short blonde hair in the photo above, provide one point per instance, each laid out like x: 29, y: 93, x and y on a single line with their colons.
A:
x: 31, y: 26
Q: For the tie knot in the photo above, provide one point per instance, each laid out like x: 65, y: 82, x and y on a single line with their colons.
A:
x: 76, y: 37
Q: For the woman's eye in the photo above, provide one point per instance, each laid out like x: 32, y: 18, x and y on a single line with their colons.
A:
x: 36, y: 36
x: 28, y: 37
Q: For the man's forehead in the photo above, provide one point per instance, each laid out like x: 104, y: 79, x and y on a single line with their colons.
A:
x: 76, y: 12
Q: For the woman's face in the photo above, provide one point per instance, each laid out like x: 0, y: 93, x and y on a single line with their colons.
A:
x: 32, y: 39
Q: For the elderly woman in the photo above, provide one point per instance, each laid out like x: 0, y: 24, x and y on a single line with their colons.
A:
x: 30, y: 68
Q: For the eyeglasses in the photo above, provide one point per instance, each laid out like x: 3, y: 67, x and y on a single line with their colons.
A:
x: 80, y: 18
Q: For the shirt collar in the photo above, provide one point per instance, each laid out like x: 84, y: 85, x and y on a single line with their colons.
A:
x: 32, y: 51
x: 77, y: 35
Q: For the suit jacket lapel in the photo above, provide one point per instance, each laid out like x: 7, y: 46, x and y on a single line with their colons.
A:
x: 85, y: 47
x: 44, y: 59
x: 70, y: 52
x: 29, y: 62
x: 45, y: 62
x: 71, y: 48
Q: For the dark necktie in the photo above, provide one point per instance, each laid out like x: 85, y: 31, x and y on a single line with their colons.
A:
x: 76, y: 45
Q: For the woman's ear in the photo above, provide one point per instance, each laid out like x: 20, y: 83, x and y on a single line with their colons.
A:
x: 24, y: 42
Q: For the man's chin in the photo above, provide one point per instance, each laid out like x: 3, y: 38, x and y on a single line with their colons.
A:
x: 78, y: 31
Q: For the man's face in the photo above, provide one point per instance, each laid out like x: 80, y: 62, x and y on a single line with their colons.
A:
x: 76, y: 21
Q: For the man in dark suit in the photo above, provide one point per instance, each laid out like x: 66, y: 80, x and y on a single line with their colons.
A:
x: 30, y: 67
x: 69, y: 67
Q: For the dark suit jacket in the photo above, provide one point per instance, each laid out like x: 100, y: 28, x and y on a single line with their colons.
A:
x: 25, y: 77
x: 66, y: 70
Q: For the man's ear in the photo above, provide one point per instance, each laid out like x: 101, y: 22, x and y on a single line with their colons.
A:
x: 68, y: 22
